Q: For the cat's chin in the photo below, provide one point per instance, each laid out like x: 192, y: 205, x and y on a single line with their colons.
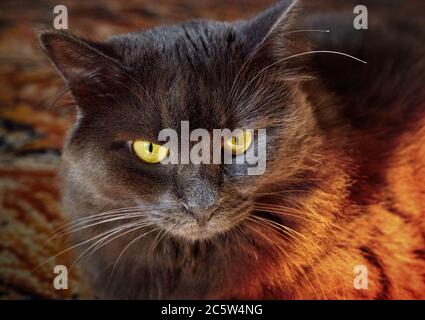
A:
x: 193, y: 232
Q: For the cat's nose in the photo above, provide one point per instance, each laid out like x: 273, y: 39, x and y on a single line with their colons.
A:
x: 202, y: 215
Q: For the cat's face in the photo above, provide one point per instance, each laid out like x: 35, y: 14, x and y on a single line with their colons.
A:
x: 213, y: 75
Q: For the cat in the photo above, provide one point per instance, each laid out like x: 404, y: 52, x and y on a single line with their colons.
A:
x: 344, y: 183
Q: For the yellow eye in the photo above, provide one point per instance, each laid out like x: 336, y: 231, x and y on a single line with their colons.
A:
x: 149, y: 152
x: 238, y: 144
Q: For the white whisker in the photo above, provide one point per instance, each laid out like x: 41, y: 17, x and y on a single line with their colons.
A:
x: 79, y: 228
x: 129, y: 245
x: 100, y: 243
x: 295, y: 56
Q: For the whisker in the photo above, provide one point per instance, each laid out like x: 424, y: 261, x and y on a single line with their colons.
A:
x: 103, y: 242
x: 103, y: 215
x: 252, y: 56
x: 295, y: 56
x: 83, y: 226
x: 296, y: 265
x: 157, y: 241
x: 100, y: 243
x: 73, y: 247
x: 284, y: 213
x: 97, y: 215
x: 284, y: 209
x: 308, y: 30
x: 129, y: 245
x: 271, y: 242
x: 290, y: 231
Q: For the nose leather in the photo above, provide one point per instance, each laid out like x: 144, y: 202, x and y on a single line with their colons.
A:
x: 202, y: 215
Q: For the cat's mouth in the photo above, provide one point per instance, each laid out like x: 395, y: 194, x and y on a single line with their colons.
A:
x: 195, y: 231
x: 192, y: 229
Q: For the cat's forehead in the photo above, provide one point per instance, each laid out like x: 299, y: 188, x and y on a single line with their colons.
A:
x: 191, y: 43
x: 187, y: 69
x: 192, y: 72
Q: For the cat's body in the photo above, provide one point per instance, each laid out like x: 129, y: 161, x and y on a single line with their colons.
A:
x: 345, y: 181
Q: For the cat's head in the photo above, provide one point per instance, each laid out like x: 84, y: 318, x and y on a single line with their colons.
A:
x: 214, y: 75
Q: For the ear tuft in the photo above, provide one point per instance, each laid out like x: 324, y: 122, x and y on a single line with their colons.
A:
x: 90, y: 71
x: 272, y: 42
x: 272, y: 25
x: 74, y: 57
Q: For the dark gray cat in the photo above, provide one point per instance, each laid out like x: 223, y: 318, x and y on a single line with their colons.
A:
x: 208, y: 231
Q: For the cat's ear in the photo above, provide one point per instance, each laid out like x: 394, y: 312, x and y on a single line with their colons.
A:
x: 271, y: 32
x: 88, y: 67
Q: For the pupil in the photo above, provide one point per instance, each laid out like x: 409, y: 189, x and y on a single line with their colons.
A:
x: 150, y: 147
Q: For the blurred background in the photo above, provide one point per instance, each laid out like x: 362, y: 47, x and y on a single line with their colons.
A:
x: 34, y: 118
